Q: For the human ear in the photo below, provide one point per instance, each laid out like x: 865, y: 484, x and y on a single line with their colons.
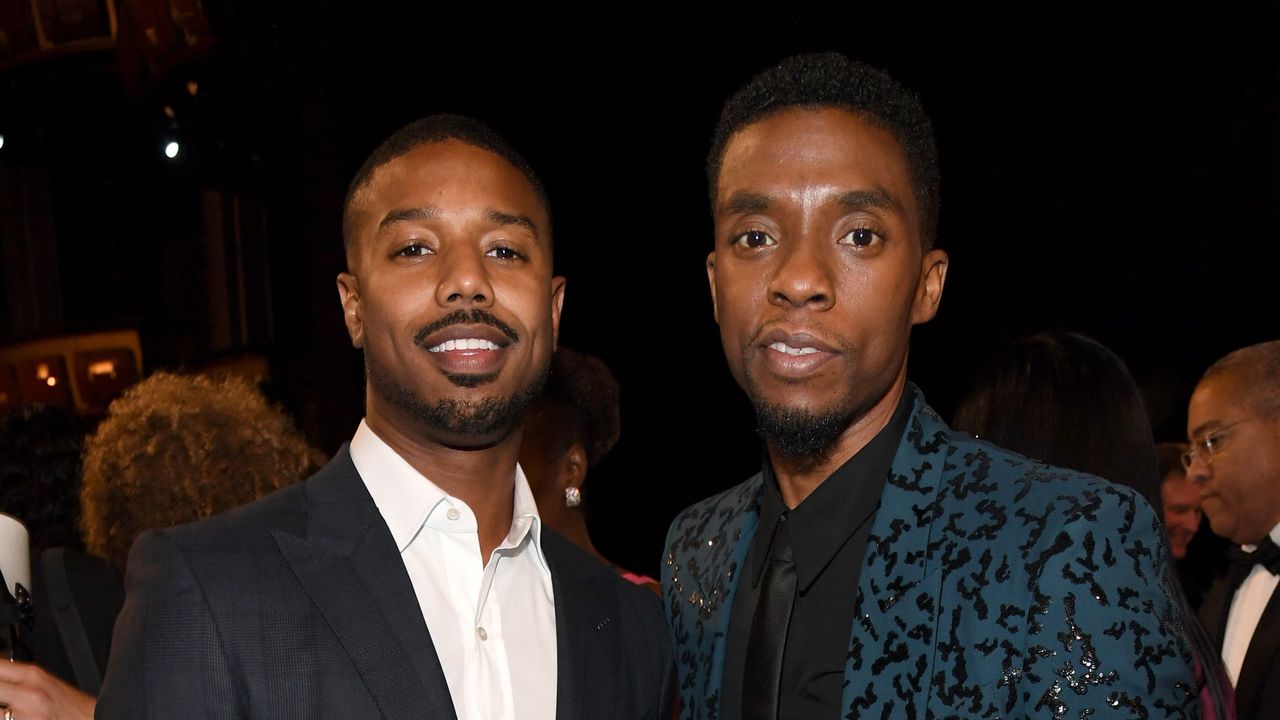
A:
x: 711, y: 280
x: 933, y: 276
x: 575, y: 466
x: 557, y: 304
x: 349, y: 296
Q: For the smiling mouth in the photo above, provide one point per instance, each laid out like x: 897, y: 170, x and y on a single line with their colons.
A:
x: 464, y: 344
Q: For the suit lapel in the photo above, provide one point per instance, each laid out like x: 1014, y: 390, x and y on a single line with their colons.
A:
x: 350, y: 567
x: 893, y: 575
x: 586, y: 634
x: 1217, y: 604
x: 1263, y: 649
x: 699, y: 579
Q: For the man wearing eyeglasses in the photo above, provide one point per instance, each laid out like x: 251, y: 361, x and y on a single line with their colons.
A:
x: 1233, y: 424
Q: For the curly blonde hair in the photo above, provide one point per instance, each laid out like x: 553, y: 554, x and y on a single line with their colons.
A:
x: 178, y: 448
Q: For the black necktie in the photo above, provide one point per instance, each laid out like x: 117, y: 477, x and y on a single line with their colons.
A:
x: 1267, y: 555
x: 762, y: 677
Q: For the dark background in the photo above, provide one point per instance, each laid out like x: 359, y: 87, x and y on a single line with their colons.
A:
x: 1112, y: 169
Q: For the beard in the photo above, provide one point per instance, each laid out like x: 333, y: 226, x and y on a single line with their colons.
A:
x: 484, y: 418
x: 802, y: 436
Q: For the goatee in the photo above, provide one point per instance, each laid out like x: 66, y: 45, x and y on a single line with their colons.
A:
x: 485, y: 417
x: 801, y: 436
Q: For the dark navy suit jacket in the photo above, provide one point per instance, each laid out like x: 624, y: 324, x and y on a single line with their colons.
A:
x: 299, y: 606
x: 992, y: 586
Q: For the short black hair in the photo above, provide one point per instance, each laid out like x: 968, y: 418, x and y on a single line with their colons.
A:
x: 831, y: 80
x: 435, y: 129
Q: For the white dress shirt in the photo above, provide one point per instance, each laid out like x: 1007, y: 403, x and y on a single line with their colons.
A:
x: 1246, y: 610
x: 493, y: 623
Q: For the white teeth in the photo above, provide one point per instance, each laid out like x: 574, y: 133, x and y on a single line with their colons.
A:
x: 463, y: 344
x: 785, y: 348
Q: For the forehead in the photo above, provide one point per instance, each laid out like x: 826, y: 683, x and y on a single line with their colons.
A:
x: 451, y: 176
x: 800, y: 148
x: 1215, y: 398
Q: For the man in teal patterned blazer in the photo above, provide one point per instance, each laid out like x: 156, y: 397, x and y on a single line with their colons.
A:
x: 880, y: 566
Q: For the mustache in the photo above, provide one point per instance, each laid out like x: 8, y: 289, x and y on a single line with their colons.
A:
x: 475, y: 316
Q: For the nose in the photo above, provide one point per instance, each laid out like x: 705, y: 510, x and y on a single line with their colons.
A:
x: 803, y: 278
x: 1198, y: 472
x: 464, y: 279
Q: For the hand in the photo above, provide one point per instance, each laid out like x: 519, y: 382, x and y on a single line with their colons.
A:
x: 33, y: 694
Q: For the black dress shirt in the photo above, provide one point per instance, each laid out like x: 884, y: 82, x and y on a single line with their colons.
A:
x: 829, y: 532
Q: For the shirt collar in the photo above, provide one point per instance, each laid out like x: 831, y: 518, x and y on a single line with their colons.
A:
x: 823, y: 522
x: 407, y: 499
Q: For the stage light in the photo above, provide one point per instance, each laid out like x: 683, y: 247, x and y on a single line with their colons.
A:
x: 1, y: 141
x: 171, y: 150
x: 42, y: 373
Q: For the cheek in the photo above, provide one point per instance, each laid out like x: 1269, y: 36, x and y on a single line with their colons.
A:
x: 735, y: 302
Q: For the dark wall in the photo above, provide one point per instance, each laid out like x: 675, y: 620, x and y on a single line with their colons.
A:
x: 1111, y: 169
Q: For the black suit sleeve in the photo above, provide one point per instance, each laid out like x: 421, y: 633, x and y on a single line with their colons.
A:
x: 659, y: 678
x: 167, y: 659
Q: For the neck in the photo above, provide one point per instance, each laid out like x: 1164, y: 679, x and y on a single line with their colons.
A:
x: 573, y: 525
x: 483, y: 477
x: 799, y: 477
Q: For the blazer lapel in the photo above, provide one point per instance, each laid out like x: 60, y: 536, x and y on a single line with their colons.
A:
x: 1264, y: 647
x: 894, y: 572
x: 1217, y: 604
x: 586, y: 634
x: 700, y: 578
x: 351, y: 568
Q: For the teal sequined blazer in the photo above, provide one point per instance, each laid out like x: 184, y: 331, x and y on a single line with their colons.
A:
x: 993, y: 586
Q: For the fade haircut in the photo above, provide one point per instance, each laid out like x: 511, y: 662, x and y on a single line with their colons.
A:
x: 1256, y: 373
x: 831, y: 80
x: 435, y: 129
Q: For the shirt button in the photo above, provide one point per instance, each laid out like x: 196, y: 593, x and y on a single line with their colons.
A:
x: 482, y: 634
x: 453, y: 514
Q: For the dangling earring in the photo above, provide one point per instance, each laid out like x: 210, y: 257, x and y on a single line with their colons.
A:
x: 572, y: 497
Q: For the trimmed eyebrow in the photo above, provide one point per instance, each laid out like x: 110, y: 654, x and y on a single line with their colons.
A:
x: 505, y: 218
x: 745, y: 203
x: 425, y: 212
x: 871, y: 199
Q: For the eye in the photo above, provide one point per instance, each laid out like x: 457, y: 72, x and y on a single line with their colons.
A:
x: 502, y: 252
x: 862, y: 237
x: 414, y: 250
x: 1210, y: 443
x: 753, y: 239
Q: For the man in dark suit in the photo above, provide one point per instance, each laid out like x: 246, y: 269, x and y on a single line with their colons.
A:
x: 411, y: 577
x: 880, y: 565
x: 1233, y: 425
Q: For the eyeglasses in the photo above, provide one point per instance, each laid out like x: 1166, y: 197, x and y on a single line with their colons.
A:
x: 1208, y: 446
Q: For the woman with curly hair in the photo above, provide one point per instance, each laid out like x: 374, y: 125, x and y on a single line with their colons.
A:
x: 179, y: 448
x: 173, y: 449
